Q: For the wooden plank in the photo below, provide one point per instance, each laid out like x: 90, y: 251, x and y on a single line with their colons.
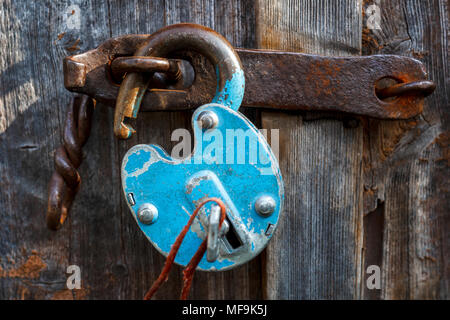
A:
x: 316, y: 252
x: 116, y: 260
x: 406, y: 164
x: 33, y: 260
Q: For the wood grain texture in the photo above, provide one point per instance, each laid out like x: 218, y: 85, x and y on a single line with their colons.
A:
x: 116, y: 260
x: 376, y: 193
x: 316, y: 252
x: 406, y: 162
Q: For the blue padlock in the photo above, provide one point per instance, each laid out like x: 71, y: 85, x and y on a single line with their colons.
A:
x: 231, y: 161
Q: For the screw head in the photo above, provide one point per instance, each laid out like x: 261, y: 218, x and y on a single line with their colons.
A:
x: 265, y: 206
x: 147, y: 213
x: 208, y: 120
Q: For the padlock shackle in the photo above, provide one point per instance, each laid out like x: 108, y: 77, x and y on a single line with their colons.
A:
x: 183, y: 36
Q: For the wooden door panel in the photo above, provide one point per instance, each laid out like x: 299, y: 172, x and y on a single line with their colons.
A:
x: 358, y: 191
x: 316, y: 253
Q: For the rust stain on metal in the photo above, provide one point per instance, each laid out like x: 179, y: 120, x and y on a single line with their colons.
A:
x: 323, y: 77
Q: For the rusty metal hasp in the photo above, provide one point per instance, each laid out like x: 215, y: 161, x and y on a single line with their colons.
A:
x: 275, y: 79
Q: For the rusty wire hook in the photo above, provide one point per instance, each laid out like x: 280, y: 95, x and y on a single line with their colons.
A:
x: 65, y: 181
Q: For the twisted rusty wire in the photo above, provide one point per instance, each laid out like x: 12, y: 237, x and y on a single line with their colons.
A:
x: 188, y: 272
x: 65, y: 181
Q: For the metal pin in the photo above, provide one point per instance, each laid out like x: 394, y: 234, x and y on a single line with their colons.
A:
x: 212, y: 251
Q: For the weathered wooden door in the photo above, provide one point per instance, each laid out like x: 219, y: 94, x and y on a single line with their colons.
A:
x: 359, y: 191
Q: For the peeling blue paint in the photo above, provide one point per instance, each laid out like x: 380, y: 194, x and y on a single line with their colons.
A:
x: 233, y: 92
x: 137, y: 103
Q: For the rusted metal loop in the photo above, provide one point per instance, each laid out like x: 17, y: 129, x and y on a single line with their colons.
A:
x: 140, y: 64
x: 168, y: 72
x: 423, y: 88
x: 65, y: 181
x: 184, y: 36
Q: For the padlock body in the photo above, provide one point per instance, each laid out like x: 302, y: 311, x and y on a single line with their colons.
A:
x: 231, y: 161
